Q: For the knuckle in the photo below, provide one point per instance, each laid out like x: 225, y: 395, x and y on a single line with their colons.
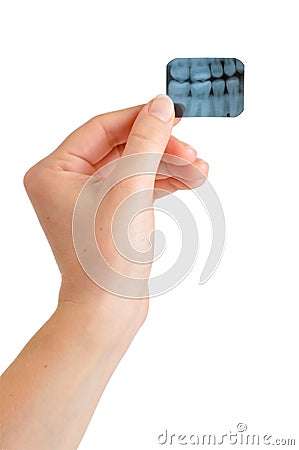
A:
x: 28, y: 178
x: 33, y: 180
x: 99, y: 122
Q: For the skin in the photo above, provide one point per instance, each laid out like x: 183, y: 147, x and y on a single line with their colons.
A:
x: 50, y: 391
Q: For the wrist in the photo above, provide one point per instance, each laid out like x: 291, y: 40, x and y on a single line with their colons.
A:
x: 98, y: 308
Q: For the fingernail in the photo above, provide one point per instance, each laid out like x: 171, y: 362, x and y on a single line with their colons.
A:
x: 204, y: 167
x: 162, y: 107
x: 191, y: 152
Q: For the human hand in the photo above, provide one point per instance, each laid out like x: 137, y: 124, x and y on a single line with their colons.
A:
x: 52, y: 388
x: 54, y: 184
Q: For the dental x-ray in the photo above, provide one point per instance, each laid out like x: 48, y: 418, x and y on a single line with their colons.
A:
x: 206, y: 87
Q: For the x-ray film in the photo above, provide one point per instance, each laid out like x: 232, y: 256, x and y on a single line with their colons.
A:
x: 206, y: 87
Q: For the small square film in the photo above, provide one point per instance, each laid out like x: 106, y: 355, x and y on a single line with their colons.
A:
x: 206, y: 87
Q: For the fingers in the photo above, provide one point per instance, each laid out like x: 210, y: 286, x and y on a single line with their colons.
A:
x: 178, y: 149
x: 134, y: 130
x: 147, y: 142
x: 176, y: 152
x: 190, y: 176
x: 94, y: 140
x: 186, y: 172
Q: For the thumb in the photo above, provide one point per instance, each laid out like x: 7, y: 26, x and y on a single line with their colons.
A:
x: 152, y: 127
x: 148, y: 139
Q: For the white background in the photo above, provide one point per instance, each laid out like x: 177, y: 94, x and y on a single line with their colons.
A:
x: 211, y: 356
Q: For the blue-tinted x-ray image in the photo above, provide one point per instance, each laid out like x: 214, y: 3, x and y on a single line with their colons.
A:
x: 206, y: 87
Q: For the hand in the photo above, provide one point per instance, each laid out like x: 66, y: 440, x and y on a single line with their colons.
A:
x: 52, y: 388
x: 55, y: 182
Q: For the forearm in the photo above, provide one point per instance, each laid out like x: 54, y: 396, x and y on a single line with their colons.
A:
x: 50, y: 391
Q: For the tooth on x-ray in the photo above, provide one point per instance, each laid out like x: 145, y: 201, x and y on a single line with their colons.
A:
x: 180, y: 69
x: 178, y: 90
x: 206, y: 87
x: 200, y: 70
x: 216, y: 67
x: 201, y: 89
x: 229, y: 67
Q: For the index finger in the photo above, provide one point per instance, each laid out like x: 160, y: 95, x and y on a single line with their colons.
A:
x: 93, y: 140
x: 96, y: 138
